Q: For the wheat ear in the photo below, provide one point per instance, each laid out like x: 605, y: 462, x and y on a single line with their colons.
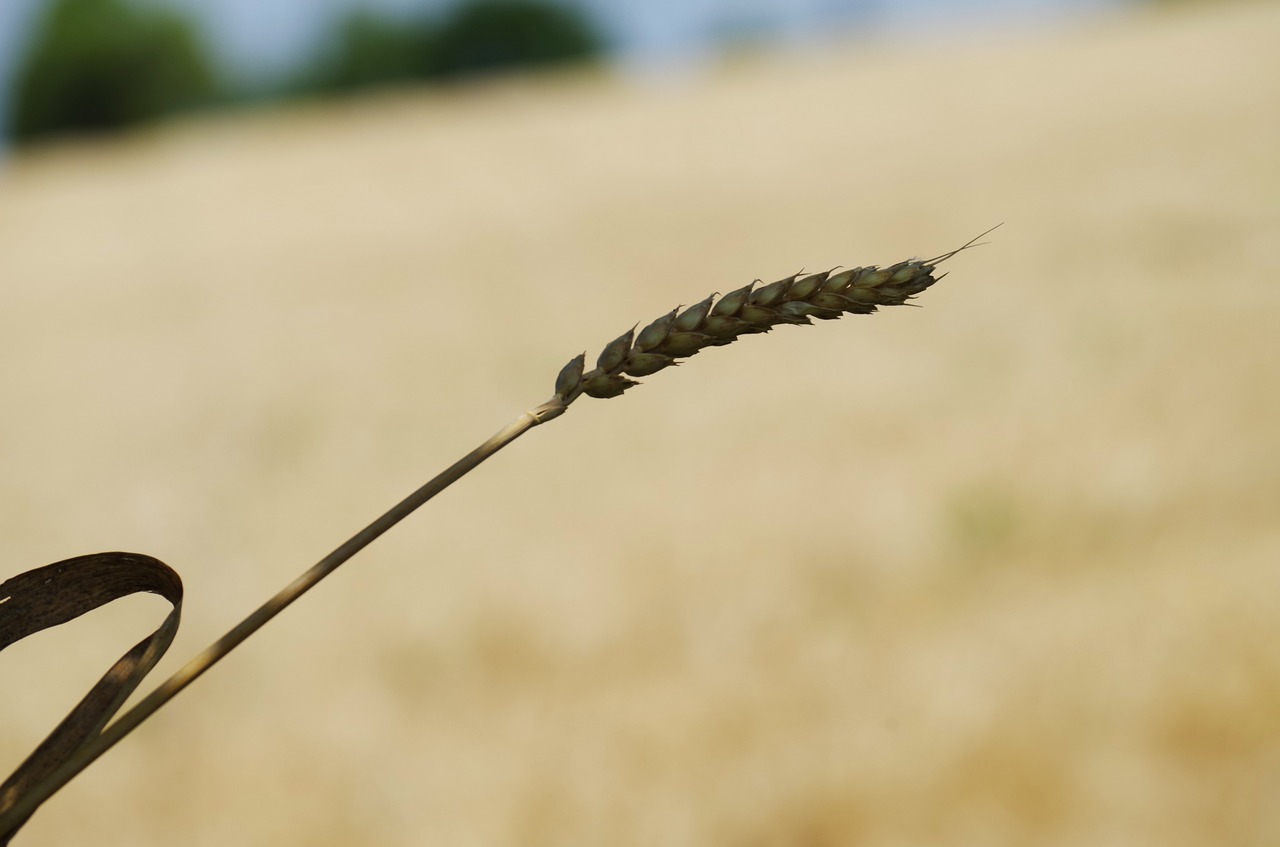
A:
x: 795, y: 300
x: 676, y: 335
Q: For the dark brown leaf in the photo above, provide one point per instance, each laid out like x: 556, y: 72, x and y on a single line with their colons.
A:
x: 55, y: 594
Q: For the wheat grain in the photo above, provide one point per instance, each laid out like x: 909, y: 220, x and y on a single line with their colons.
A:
x: 748, y: 310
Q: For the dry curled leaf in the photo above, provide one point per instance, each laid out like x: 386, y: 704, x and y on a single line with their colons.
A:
x: 55, y: 594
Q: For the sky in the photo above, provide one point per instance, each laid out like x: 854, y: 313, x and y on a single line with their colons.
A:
x: 254, y: 39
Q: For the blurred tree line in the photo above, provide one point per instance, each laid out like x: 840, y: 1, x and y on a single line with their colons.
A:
x: 100, y: 65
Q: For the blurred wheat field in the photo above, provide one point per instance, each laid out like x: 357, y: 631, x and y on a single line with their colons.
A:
x: 998, y: 571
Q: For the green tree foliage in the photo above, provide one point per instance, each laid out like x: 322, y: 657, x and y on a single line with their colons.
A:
x: 486, y: 35
x: 368, y: 50
x: 99, y: 65
x: 476, y: 36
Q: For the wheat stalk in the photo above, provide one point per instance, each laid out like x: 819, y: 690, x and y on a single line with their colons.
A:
x: 679, y: 334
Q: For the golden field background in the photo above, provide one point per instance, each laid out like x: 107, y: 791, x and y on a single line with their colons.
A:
x: 999, y: 571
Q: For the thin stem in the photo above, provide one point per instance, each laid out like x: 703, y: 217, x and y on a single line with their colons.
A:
x: 165, y: 692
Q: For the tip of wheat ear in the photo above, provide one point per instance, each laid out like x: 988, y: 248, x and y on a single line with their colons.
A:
x: 796, y: 299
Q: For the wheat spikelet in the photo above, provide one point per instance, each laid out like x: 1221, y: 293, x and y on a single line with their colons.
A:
x: 715, y: 322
